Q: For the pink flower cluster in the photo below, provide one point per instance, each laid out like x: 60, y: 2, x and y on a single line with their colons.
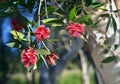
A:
x: 42, y: 33
x: 51, y: 59
x: 28, y: 57
x: 16, y: 25
x: 75, y: 29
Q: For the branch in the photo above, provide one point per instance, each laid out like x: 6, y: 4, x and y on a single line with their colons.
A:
x: 39, y: 10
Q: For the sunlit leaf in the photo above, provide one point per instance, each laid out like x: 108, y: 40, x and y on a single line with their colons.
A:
x: 108, y: 59
x: 17, y: 35
x: 72, y: 13
x: 14, y: 45
x: 35, y: 66
x: 53, y: 22
x: 43, y: 52
x: 86, y: 19
x: 83, y: 37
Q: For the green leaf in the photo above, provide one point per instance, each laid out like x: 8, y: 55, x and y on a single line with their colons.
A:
x: 42, y: 52
x: 24, y: 20
x: 29, y: 38
x: 44, y: 60
x: 86, y: 19
x: 14, y: 45
x: 35, y: 66
x: 114, y: 24
x: 116, y: 10
x: 108, y: 23
x: 30, y: 5
x: 83, y: 37
x: 50, y: 10
x: 4, y: 15
x: 104, y: 15
x: 4, y: 5
x: 17, y: 35
x: 52, y: 41
x: 97, y: 5
x: 108, y: 59
x: 72, y: 13
x: 116, y: 46
x: 53, y: 22
x: 22, y: 3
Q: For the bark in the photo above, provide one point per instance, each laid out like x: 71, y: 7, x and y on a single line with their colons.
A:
x: 107, y: 72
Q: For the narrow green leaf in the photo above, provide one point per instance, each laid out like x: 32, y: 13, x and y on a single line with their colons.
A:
x: 17, y: 35
x: 4, y: 4
x: 72, y: 13
x: 11, y: 44
x: 114, y: 24
x: 97, y: 5
x: 53, y: 21
x: 4, y: 15
x: 108, y: 23
x: 24, y: 20
x: 83, y: 38
x: 30, y: 5
x: 29, y: 38
x: 104, y: 15
x: 14, y: 45
x: 116, y: 46
x: 44, y: 60
x: 43, y: 52
x: 86, y: 19
x: 35, y: 66
x: 50, y: 10
x: 49, y: 20
x: 108, y: 59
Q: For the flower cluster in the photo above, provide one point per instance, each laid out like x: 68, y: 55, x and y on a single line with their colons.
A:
x: 42, y: 33
x: 51, y: 59
x: 75, y: 29
x: 28, y: 57
x: 16, y: 25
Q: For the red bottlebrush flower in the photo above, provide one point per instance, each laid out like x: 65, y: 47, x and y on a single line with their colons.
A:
x: 51, y: 59
x: 28, y: 57
x: 42, y: 33
x: 16, y: 25
x: 75, y: 29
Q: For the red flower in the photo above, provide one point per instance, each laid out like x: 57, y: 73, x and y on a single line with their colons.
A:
x: 16, y: 25
x: 75, y: 29
x: 42, y: 33
x: 51, y: 59
x: 28, y: 57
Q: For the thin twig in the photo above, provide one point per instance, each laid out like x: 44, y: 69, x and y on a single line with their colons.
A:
x: 59, y: 5
x: 46, y: 11
x: 39, y: 10
x: 45, y: 46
